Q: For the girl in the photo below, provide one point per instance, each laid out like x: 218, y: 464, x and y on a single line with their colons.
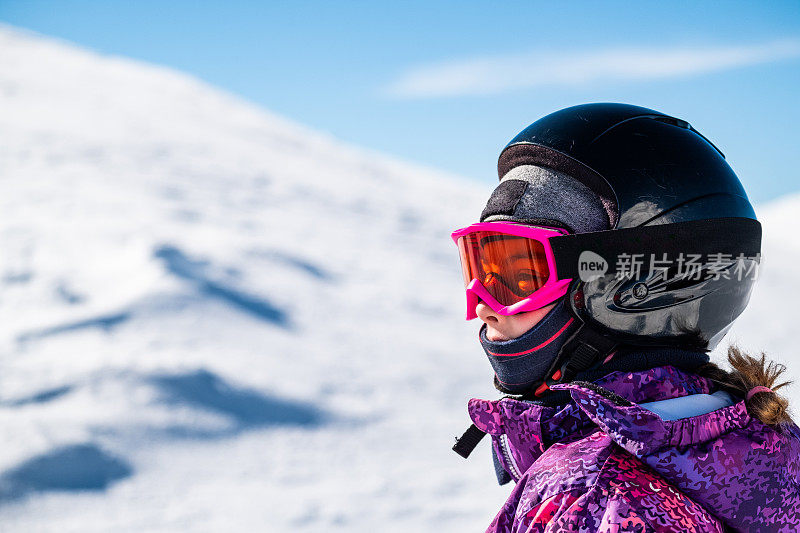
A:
x: 615, y: 253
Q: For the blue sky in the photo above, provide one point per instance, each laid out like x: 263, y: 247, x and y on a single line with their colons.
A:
x: 448, y: 84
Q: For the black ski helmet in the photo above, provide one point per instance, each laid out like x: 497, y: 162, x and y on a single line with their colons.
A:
x: 648, y: 169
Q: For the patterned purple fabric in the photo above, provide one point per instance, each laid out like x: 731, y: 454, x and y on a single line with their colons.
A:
x: 602, y: 463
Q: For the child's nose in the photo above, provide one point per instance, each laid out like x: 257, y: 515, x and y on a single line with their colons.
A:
x: 486, y: 313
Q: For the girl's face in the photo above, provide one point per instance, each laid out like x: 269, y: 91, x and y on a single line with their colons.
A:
x: 503, y: 328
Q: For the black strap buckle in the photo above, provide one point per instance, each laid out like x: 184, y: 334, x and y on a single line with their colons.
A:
x: 581, y: 351
x: 468, y: 441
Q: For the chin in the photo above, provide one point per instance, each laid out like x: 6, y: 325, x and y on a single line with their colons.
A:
x: 495, y: 336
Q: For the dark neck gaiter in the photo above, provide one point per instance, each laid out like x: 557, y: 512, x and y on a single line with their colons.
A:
x: 522, y: 362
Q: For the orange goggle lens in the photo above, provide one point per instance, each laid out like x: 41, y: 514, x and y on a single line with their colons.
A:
x: 510, y: 267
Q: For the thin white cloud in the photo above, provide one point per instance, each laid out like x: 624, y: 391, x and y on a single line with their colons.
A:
x: 496, y: 74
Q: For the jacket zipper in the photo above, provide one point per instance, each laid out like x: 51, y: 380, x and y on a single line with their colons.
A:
x: 506, y: 449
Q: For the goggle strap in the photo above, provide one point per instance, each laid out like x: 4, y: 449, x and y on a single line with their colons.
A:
x: 727, y: 235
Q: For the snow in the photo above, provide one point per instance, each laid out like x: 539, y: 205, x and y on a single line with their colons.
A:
x: 217, y: 319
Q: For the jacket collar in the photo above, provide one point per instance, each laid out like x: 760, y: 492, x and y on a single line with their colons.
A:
x: 745, y: 473
x: 611, y: 403
x: 641, y: 431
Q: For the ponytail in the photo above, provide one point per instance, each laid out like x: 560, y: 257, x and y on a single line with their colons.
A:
x: 752, y: 373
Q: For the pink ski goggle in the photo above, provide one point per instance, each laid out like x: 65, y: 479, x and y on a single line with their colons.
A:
x: 510, y: 267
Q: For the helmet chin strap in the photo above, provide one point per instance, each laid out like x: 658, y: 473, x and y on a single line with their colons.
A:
x: 581, y: 351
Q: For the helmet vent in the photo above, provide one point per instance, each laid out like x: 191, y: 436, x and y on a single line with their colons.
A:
x: 674, y: 121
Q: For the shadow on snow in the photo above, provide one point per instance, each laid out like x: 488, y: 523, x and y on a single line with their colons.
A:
x: 194, y: 271
x: 105, y: 322
x: 77, y: 467
x: 245, y: 408
x: 39, y: 397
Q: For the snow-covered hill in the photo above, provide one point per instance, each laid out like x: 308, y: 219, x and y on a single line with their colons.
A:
x: 214, y: 319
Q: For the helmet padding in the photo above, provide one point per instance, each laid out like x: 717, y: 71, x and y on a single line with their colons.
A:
x: 538, y: 195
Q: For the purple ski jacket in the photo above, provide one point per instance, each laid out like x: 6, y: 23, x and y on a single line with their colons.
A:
x: 656, y: 450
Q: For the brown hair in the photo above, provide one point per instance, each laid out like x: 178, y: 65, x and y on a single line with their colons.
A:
x: 748, y: 372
